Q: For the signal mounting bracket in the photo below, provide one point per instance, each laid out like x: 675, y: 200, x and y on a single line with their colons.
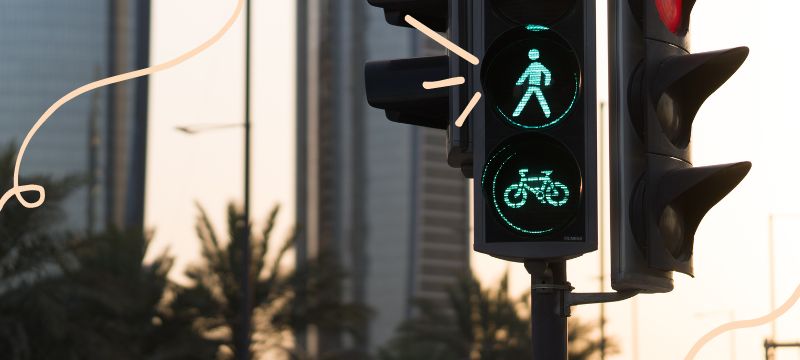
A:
x: 550, y: 277
x: 574, y: 299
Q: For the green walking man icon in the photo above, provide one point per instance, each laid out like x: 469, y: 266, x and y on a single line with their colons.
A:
x: 533, y: 77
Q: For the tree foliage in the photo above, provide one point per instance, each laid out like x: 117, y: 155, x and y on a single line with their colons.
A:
x: 284, y: 302
x: 110, y: 307
x: 30, y: 245
x: 478, y: 323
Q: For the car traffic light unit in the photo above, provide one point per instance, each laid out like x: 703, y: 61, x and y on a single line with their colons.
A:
x: 656, y: 89
x: 396, y: 85
x: 534, y: 138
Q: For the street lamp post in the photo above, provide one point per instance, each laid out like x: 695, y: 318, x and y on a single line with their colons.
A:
x: 242, y: 341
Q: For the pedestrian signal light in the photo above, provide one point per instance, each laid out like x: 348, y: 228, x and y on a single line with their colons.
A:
x: 532, y: 78
x: 535, y: 135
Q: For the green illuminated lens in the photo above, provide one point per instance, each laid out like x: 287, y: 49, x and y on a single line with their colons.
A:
x: 545, y: 109
x: 536, y: 28
x: 544, y: 189
x: 533, y: 184
x: 532, y: 77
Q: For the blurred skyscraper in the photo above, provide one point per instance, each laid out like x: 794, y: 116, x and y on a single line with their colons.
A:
x: 48, y: 48
x: 378, y: 194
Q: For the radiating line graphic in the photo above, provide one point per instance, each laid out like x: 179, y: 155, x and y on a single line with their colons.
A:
x: 468, y: 109
x: 743, y: 324
x: 472, y: 59
x: 430, y: 85
x: 18, y: 189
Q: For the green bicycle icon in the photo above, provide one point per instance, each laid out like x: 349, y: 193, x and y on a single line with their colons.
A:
x: 545, y: 189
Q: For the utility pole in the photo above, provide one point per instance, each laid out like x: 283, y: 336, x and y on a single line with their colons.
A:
x: 771, y: 245
x: 243, y: 343
x: 602, y: 224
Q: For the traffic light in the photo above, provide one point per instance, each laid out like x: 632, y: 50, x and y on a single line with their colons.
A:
x: 396, y: 85
x: 433, y: 13
x: 534, y: 136
x: 656, y: 88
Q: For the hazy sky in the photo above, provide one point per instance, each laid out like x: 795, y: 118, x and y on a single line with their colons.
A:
x: 752, y: 117
x: 208, y: 167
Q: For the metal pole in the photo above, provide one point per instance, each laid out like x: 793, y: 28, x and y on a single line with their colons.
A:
x: 733, y: 335
x: 772, y: 274
x: 766, y: 349
x: 244, y: 341
x: 548, y: 325
x: 635, y: 327
x: 602, y: 232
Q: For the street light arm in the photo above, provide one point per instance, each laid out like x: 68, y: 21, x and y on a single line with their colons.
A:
x: 191, y: 130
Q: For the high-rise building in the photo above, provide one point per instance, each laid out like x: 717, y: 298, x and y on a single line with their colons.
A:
x: 378, y: 194
x: 50, y: 48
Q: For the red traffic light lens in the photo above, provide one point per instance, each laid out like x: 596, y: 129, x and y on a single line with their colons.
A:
x: 670, y: 12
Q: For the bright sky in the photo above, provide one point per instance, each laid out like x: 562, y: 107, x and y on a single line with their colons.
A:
x: 208, y: 167
x: 750, y: 118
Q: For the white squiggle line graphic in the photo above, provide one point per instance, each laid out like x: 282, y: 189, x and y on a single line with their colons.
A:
x: 743, y: 324
x: 430, y: 85
x: 472, y: 59
x: 468, y: 109
x: 18, y: 189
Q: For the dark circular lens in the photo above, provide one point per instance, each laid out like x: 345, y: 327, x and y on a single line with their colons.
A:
x: 533, y: 184
x: 532, y: 77
x: 672, y: 227
x: 673, y: 124
x: 525, y: 12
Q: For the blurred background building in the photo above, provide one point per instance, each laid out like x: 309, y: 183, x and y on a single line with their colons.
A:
x: 53, y: 47
x: 377, y: 194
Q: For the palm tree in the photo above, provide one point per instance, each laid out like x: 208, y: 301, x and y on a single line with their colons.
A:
x: 70, y: 297
x: 111, y: 307
x: 213, y: 298
x: 477, y: 323
x: 30, y: 247
x: 315, y: 299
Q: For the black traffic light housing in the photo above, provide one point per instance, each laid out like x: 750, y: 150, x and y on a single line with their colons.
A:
x: 432, y: 13
x: 550, y: 158
x: 656, y: 88
x: 396, y: 85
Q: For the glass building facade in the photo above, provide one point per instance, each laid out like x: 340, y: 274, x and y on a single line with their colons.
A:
x: 49, y: 48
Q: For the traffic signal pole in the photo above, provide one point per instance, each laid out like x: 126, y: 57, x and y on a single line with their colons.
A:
x: 549, y: 292
x: 551, y: 300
